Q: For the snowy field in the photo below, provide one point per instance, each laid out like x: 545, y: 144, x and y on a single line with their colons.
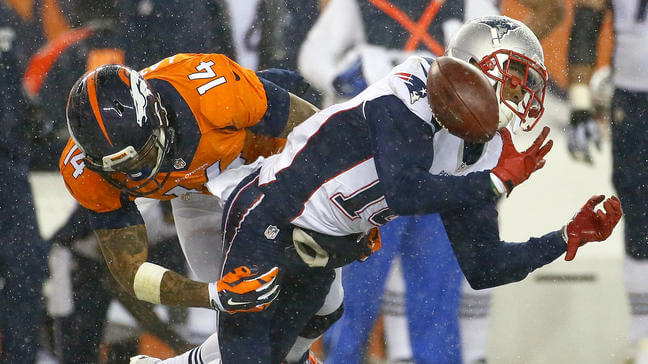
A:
x: 568, y: 312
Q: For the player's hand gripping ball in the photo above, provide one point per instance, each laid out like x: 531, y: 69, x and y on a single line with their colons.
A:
x: 462, y: 99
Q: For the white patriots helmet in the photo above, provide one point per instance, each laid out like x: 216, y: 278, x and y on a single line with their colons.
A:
x: 507, y: 51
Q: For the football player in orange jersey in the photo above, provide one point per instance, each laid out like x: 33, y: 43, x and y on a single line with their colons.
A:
x: 166, y: 132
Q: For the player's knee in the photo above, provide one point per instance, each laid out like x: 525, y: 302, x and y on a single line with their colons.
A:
x: 319, y: 324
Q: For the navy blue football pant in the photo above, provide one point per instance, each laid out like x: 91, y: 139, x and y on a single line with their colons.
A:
x: 630, y: 166
x: 433, y: 290
x: 266, y: 337
x: 23, y: 266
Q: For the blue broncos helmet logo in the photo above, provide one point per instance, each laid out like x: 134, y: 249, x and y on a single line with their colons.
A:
x: 415, y: 85
x: 501, y: 25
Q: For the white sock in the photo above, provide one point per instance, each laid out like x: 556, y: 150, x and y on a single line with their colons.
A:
x: 207, y: 353
x: 298, y: 349
x: 635, y: 272
x: 394, y: 316
x: 473, y: 322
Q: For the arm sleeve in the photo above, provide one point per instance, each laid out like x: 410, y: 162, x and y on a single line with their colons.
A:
x: 403, y: 154
x: 486, y: 260
x: 276, y: 115
x: 128, y: 215
x: 76, y: 227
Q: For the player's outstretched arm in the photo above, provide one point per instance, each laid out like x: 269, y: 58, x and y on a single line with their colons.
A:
x: 515, y: 167
x: 125, y: 251
x: 485, y: 260
x: 583, y: 130
x: 489, y: 262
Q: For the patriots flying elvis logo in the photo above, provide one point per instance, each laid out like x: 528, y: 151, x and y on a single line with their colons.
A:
x: 415, y: 85
x: 500, y: 26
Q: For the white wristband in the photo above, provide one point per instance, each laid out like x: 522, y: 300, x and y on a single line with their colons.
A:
x: 497, y: 183
x: 563, y: 233
x: 580, y: 97
x: 214, y: 300
x: 146, y: 284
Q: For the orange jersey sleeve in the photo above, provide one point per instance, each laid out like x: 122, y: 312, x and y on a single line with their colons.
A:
x: 87, y: 187
x: 260, y: 145
x: 219, y: 92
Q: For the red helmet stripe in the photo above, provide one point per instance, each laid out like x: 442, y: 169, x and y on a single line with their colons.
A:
x: 92, y: 95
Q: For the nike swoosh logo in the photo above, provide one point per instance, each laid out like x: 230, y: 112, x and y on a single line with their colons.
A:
x: 234, y: 303
x: 236, y: 76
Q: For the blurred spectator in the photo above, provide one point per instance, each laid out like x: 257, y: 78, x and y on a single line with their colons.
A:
x: 51, y: 72
x: 23, y: 263
x: 269, y: 34
x: 544, y: 15
x: 627, y: 105
x: 163, y: 28
x: 283, y: 25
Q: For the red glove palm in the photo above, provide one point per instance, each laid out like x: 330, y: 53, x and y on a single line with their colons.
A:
x: 589, y: 225
x: 514, y: 167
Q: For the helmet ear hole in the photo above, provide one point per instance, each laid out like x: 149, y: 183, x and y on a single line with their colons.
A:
x: 118, y: 106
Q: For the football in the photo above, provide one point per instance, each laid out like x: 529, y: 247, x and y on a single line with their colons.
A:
x: 462, y: 99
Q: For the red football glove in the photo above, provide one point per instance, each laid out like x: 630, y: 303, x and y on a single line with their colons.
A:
x: 514, y: 167
x: 588, y: 225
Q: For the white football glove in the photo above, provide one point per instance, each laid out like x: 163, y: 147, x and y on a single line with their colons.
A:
x: 582, y: 129
x: 579, y: 136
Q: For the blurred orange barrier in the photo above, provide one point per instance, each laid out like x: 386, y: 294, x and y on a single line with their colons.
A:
x: 53, y: 20
x: 152, y: 346
x: 556, y: 44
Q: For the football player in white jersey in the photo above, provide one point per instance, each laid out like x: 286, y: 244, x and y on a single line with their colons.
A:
x: 375, y: 38
x: 629, y: 118
x: 357, y: 165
